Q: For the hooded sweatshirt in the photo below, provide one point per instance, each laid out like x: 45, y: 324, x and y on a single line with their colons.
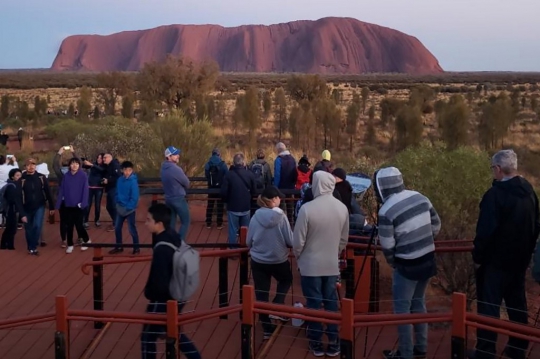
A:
x: 174, y: 181
x: 73, y: 190
x: 508, y: 226
x: 127, y: 192
x: 408, y: 224
x: 222, y: 170
x: 269, y: 236
x: 321, y: 230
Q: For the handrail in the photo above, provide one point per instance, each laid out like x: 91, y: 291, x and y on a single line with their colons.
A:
x: 28, y: 320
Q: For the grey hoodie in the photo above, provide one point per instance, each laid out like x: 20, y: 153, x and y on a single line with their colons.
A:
x: 174, y: 180
x: 269, y: 236
x: 321, y: 231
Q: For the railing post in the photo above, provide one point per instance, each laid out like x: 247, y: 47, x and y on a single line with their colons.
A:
x: 172, y: 330
x: 223, y: 284
x: 248, y: 305
x: 97, y: 283
x: 459, y: 326
x: 349, y: 277
x: 61, y: 336
x: 346, y: 331
x: 244, y: 265
x: 374, y: 292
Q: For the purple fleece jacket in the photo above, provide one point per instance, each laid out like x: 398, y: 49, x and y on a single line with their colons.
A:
x: 73, y: 190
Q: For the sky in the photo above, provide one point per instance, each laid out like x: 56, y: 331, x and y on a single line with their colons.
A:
x: 464, y: 35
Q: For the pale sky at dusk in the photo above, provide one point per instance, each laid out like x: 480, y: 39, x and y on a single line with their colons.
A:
x: 464, y: 35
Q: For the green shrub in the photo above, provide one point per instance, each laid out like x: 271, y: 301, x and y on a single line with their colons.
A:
x: 65, y: 131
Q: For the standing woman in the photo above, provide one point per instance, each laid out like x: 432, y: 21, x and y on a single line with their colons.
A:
x: 14, y: 208
x: 72, y: 201
x: 269, y: 239
x: 95, y: 177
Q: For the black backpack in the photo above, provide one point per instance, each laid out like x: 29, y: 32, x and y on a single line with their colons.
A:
x: 213, y: 170
x: 258, y: 170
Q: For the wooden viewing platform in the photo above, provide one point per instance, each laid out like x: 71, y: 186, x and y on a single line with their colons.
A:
x: 29, y: 286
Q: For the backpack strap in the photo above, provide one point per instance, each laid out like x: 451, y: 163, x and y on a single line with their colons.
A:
x: 167, y: 244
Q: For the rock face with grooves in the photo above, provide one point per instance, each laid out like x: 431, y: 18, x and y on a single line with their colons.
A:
x: 326, y: 46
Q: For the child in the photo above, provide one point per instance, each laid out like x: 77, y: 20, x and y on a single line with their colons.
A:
x: 303, y: 172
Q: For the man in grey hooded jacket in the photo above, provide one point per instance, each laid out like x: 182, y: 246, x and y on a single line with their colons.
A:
x: 320, y: 234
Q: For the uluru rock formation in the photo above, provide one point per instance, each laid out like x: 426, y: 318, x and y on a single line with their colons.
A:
x: 328, y: 46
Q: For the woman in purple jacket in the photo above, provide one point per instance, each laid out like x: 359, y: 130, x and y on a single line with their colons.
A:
x: 72, y: 201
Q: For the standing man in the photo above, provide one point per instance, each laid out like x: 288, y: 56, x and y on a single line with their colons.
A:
x: 237, y: 191
x: 408, y: 224
x: 318, y: 239
x: 112, y: 172
x: 215, y: 170
x: 157, y: 286
x: 127, y: 199
x: 175, y: 182
x: 35, y: 195
x: 506, y: 234
x: 285, y: 175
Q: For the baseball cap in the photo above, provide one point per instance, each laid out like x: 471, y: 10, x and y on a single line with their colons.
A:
x: 171, y: 151
x: 272, y: 192
x: 31, y: 160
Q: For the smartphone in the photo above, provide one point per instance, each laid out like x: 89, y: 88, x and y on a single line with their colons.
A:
x: 9, y: 156
x: 67, y: 148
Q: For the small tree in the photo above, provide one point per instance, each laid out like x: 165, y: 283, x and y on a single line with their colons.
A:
x: 353, y: 113
x: 280, y: 111
x: 4, y: 107
x: 71, y: 110
x: 409, y: 127
x: 454, y: 122
x: 251, y: 113
x: 37, y: 106
x: 534, y: 102
x: 267, y: 103
x: 84, y: 103
x: 127, y: 105
x: 371, y: 136
x: 365, y: 97
x: 96, y: 112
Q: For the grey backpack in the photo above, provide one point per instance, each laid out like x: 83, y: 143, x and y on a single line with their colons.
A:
x: 185, y: 278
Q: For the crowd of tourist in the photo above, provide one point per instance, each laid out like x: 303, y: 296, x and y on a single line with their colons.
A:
x: 315, y: 228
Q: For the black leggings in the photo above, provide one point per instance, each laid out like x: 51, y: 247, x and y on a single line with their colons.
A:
x: 74, y: 218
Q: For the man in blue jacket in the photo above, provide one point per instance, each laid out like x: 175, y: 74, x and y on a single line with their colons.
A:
x: 215, y: 170
x: 285, y: 175
x: 127, y: 198
x: 175, y: 182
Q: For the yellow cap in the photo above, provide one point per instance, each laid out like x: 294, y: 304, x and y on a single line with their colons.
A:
x: 326, y: 155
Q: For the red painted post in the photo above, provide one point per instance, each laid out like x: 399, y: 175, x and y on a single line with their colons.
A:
x: 61, y: 336
x: 459, y: 326
x: 244, y: 265
x: 248, y: 317
x: 172, y: 330
x: 346, y: 331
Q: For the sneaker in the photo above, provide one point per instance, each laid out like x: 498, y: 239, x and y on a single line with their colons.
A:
x: 136, y: 251
x: 33, y: 252
x: 418, y: 354
x: 277, y: 317
x: 98, y: 224
x: 43, y: 244
x: 220, y: 227
x: 333, y: 350
x: 316, y: 349
x: 63, y: 245
x: 19, y: 226
x: 86, y: 225
x: 110, y: 229
x: 392, y: 354
x: 116, y: 250
x: 69, y: 250
x: 83, y: 247
x: 208, y: 226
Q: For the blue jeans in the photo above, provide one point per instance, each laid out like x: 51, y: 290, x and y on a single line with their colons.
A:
x: 111, y: 204
x: 152, y: 332
x: 179, y: 207
x: 94, y: 195
x: 409, y: 297
x: 33, y: 227
x: 235, y: 222
x: 131, y: 226
x: 317, y: 291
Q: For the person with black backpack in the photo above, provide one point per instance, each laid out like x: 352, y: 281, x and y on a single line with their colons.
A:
x: 263, y: 176
x: 215, y: 170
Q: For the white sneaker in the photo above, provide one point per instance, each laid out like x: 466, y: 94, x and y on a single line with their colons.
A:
x: 83, y: 247
x: 69, y: 249
x: 63, y: 245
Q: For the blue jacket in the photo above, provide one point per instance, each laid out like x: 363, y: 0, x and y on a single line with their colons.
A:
x: 73, y: 190
x: 96, y: 173
x: 285, y: 173
x: 174, y: 180
x: 222, y: 171
x: 127, y: 192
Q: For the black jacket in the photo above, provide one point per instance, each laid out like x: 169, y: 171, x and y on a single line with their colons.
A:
x: 13, y: 196
x: 112, y: 172
x: 35, y: 191
x: 345, y: 193
x: 161, y: 268
x: 508, y: 226
x: 238, y: 189
x: 95, y: 175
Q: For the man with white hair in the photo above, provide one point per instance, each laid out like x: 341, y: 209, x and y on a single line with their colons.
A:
x: 285, y: 174
x: 506, y: 234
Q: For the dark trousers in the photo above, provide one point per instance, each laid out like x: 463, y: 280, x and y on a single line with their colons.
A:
x: 287, y: 205
x: 94, y: 195
x: 74, y: 219
x: 63, y: 211
x: 214, y: 200
x: 152, y: 332
x: 111, y: 204
x: 8, y: 237
x: 493, y: 286
x: 262, y: 277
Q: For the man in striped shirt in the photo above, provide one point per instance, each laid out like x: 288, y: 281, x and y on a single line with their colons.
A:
x: 408, y: 224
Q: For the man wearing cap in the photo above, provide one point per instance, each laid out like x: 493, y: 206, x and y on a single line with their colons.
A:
x: 214, y: 170
x: 175, y: 182
x: 35, y: 193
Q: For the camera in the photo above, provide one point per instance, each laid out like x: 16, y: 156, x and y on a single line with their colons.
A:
x: 67, y: 148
